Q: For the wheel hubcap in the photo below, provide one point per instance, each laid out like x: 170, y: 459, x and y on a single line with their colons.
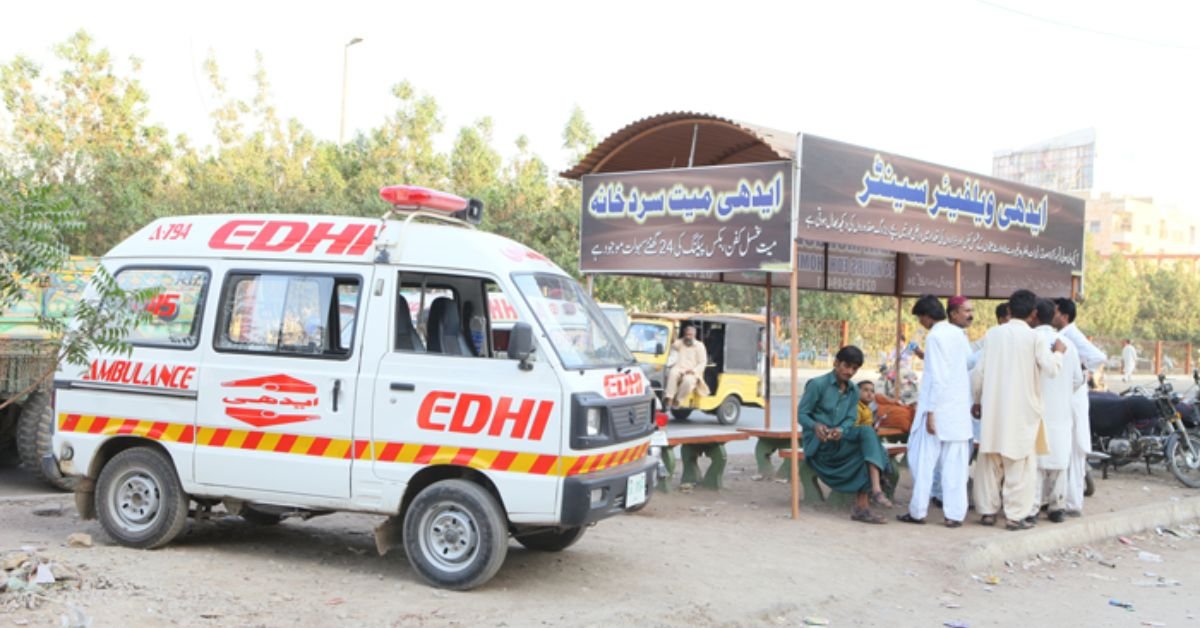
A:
x: 136, y: 501
x: 449, y: 537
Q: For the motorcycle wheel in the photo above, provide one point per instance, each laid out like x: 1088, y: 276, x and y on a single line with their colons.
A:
x: 1184, y: 464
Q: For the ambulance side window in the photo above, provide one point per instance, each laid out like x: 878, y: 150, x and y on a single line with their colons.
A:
x: 175, y: 308
x: 449, y: 315
x: 307, y: 315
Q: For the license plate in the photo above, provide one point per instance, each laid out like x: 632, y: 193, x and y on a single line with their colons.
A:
x: 635, y: 490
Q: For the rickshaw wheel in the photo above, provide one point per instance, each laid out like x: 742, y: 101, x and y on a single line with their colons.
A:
x: 729, y: 411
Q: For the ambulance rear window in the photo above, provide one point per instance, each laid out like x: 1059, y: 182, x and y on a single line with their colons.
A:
x: 306, y: 315
x: 175, y: 309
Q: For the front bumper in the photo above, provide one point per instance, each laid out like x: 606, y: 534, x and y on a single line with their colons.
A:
x: 578, y: 508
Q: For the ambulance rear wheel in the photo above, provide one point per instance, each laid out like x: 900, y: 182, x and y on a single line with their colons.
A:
x: 139, y: 500
x: 455, y: 534
x: 729, y: 411
x: 552, y: 540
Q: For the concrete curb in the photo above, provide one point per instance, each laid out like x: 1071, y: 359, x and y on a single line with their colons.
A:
x: 1048, y: 537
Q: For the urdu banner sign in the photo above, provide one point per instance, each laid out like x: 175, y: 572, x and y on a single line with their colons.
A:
x: 867, y: 198
x: 708, y: 219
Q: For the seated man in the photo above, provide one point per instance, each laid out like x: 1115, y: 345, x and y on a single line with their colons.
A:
x: 848, y: 458
x: 866, y: 399
x: 687, y: 373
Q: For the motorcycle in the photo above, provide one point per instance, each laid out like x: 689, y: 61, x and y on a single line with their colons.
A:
x: 1142, y: 425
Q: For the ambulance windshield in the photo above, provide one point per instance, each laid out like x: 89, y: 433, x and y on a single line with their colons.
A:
x: 581, y: 335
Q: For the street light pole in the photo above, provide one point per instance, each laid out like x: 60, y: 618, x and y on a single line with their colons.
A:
x: 345, y: 69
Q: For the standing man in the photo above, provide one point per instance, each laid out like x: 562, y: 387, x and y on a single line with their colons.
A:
x: 1058, y: 390
x: 691, y: 358
x: 941, y: 435
x: 1007, y: 383
x: 961, y: 314
x: 848, y: 459
x: 1128, y: 360
x: 1081, y: 441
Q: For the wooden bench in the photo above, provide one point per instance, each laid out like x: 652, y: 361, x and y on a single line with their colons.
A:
x: 808, y: 477
x: 694, y: 442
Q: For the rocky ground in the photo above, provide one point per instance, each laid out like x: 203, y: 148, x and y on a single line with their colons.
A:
x: 699, y: 558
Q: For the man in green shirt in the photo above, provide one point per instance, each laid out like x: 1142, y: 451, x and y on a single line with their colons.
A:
x: 847, y: 458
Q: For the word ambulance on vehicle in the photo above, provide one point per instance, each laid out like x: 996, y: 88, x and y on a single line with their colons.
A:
x: 301, y: 365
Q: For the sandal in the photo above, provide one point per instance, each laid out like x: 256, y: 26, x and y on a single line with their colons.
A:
x: 881, y: 500
x: 907, y: 518
x: 866, y: 516
x: 1016, y: 526
x: 950, y: 523
x: 987, y: 520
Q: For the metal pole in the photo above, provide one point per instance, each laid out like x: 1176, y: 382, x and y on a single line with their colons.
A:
x: 770, y: 340
x: 590, y: 283
x: 345, y: 68
x: 957, y: 277
x: 793, y: 328
x: 695, y: 134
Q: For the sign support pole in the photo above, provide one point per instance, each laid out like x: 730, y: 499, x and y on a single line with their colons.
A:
x: 769, y: 343
x: 793, y: 329
x: 958, y: 277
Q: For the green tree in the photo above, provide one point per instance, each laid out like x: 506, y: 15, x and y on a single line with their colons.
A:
x: 85, y: 132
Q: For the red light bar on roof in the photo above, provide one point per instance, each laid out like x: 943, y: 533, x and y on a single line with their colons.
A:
x: 423, y: 198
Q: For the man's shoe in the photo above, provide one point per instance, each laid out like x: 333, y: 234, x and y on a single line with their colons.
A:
x: 1031, y: 520
x: 936, y: 501
x: 1057, y: 516
x: 1074, y: 513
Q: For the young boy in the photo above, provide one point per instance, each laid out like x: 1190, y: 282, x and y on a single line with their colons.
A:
x: 866, y: 399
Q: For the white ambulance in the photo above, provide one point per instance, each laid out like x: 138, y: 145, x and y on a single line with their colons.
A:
x: 301, y: 365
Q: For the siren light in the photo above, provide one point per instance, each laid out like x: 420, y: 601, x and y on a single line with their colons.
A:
x: 416, y: 197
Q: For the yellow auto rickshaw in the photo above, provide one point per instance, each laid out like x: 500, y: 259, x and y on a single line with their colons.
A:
x: 734, y: 371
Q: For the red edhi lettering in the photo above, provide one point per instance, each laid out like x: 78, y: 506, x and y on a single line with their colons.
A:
x: 278, y: 236
x: 471, y: 413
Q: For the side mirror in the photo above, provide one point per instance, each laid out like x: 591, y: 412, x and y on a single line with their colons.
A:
x: 658, y: 349
x: 520, y: 344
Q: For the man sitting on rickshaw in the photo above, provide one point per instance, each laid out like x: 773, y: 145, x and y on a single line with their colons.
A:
x: 687, y: 374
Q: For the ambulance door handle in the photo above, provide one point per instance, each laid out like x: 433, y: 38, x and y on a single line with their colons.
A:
x: 402, y: 387
x: 337, y: 391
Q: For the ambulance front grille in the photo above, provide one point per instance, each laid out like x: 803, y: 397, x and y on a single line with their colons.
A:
x: 631, y: 421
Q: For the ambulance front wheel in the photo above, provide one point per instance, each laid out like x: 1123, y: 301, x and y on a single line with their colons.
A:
x: 552, y: 540
x: 455, y: 534
x: 139, y: 500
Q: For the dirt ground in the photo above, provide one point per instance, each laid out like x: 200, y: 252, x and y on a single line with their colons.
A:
x: 697, y: 559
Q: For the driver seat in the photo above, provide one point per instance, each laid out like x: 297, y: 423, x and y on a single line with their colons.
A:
x: 445, y: 333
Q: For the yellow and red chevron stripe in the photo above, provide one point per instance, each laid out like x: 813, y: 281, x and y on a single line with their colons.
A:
x: 345, y: 449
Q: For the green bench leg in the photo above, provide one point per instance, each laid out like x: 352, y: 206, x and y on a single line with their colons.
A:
x: 691, y: 464
x: 764, y: 448
x: 668, y: 459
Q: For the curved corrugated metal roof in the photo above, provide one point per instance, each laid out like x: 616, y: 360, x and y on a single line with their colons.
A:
x: 665, y: 141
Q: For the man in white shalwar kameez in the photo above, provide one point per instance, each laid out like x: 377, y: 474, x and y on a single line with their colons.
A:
x: 941, y: 434
x: 1081, y: 441
x: 1057, y: 393
x: 1007, y: 383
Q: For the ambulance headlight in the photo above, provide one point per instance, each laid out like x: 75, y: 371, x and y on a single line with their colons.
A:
x: 594, y: 418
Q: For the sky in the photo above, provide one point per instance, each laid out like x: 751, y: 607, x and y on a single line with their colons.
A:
x: 947, y: 81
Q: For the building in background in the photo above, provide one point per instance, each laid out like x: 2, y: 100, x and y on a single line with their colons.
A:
x: 1135, y: 226
x: 1065, y: 164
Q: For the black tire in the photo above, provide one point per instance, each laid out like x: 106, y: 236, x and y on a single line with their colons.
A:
x: 259, y: 518
x: 729, y: 411
x: 35, y: 428
x: 1184, y: 465
x: 552, y: 540
x: 1089, y: 485
x: 681, y: 414
x: 139, y: 500
x: 455, y: 535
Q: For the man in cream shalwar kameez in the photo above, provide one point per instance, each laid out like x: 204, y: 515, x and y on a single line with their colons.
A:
x: 1093, y: 359
x: 1007, y: 383
x: 941, y: 434
x: 1057, y: 392
x: 687, y: 373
